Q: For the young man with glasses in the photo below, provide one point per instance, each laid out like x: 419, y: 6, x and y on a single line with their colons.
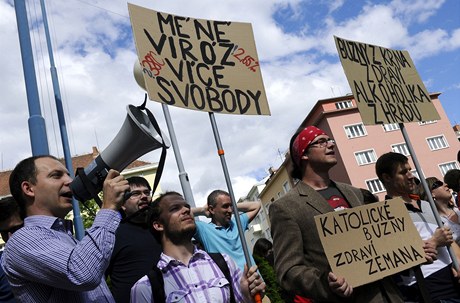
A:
x: 136, y: 250
x: 300, y: 262
x: 440, y: 285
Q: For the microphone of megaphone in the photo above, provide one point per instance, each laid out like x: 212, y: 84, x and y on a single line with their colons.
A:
x: 136, y: 137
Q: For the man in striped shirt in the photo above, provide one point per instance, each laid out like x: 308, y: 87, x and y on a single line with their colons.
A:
x: 42, y: 260
x: 189, y: 273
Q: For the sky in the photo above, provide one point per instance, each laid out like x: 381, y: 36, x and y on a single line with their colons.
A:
x: 94, y: 52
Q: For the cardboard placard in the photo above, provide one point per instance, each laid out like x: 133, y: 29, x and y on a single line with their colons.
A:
x: 367, y: 243
x: 385, y: 84
x: 199, y: 64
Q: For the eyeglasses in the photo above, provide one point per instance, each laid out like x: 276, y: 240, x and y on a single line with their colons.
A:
x: 437, y: 184
x: 323, y: 142
x: 138, y: 193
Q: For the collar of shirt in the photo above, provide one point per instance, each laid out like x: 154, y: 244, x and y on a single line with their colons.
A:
x: 409, y: 206
x: 166, y: 260
x: 54, y: 223
x: 230, y: 226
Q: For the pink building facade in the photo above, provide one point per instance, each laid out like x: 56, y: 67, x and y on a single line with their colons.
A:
x: 359, y: 146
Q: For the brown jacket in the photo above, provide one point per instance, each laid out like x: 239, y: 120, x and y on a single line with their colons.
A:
x: 300, y: 262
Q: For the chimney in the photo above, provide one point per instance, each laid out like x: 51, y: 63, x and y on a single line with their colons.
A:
x: 95, y: 152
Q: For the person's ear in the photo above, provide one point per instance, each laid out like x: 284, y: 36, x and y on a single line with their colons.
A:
x: 158, y: 226
x: 211, y: 209
x: 386, y: 178
x: 28, y: 189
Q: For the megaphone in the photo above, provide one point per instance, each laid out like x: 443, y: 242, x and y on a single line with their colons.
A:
x: 136, y: 137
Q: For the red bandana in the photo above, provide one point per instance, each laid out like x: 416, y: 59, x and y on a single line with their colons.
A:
x: 305, y: 137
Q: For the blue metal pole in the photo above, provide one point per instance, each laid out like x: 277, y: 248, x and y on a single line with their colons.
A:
x: 78, y: 223
x: 37, y: 128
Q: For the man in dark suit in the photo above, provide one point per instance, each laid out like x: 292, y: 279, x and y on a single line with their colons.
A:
x: 300, y: 262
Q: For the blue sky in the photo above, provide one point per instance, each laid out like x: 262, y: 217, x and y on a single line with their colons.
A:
x: 95, y: 53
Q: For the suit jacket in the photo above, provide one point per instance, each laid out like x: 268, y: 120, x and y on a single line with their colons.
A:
x: 300, y: 262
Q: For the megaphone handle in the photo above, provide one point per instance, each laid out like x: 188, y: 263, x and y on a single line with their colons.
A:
x: 88, y: 185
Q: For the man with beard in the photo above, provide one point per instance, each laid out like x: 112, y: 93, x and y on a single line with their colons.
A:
x: 42, y: 260
x: 438, y: 282
x: 136, y: 250
x: 300, y: 261
x: 189, y: 273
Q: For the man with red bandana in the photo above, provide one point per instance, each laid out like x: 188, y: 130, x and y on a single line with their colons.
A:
x: 300, y: 262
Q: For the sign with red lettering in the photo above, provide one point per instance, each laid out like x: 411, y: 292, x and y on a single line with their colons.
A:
x: 385, y: 84
x: 367, y: 243
x: 199, y: 64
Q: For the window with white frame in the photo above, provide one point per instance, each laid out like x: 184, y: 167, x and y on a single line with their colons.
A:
x: 400, y: 148
x: 390, y: 127
x: 437, y: 142
x: 343, y: 104
x: 375, y: 186
x: 286, y: 186
x: 356, y: 130
x: 365, y: 157
x: 427, y: 122
x: 444, y: 167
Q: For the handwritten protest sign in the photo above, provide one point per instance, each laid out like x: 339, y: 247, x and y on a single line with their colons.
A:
x: 366, y: 243
x: 385, y: 84
x: 199, y: 64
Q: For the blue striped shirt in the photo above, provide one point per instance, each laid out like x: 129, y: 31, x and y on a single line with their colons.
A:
x: 44, y: 263
x: 200, y: 281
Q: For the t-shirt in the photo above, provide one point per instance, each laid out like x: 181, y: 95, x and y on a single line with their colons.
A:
x: 223, y: 240
x: 334, y: 197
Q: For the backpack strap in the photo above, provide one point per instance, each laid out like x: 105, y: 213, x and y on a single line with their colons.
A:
x: 157, y: 284
x: 220, y: 261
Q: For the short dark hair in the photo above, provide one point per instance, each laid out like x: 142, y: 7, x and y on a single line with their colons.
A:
x: 8, y: 208
x: 261, y: 247
x: 388, y: 163
x: 154, y: 212
x: 452, y: 178
x: 26, y: 170
x: 212, y: 197
x: 138, y: 181
x: 296, y: 172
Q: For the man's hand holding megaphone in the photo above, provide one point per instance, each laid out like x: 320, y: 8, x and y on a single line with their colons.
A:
x: 114, y: 188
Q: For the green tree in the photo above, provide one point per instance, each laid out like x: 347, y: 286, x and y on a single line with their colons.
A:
x: 273, y: 290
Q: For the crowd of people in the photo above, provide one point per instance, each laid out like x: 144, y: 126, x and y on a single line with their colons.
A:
x: 138, y: 250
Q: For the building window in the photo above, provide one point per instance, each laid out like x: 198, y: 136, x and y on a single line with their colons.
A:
x: 365, y: 157
x: 356, y: 130
x: 343, y: 104
x: 390, y: 127
x: 400, y: 148
x: 448, y: 166
x: 427, y: 122
x: 286, y: 186
x: 375, y: 186
x: 438, y: 142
